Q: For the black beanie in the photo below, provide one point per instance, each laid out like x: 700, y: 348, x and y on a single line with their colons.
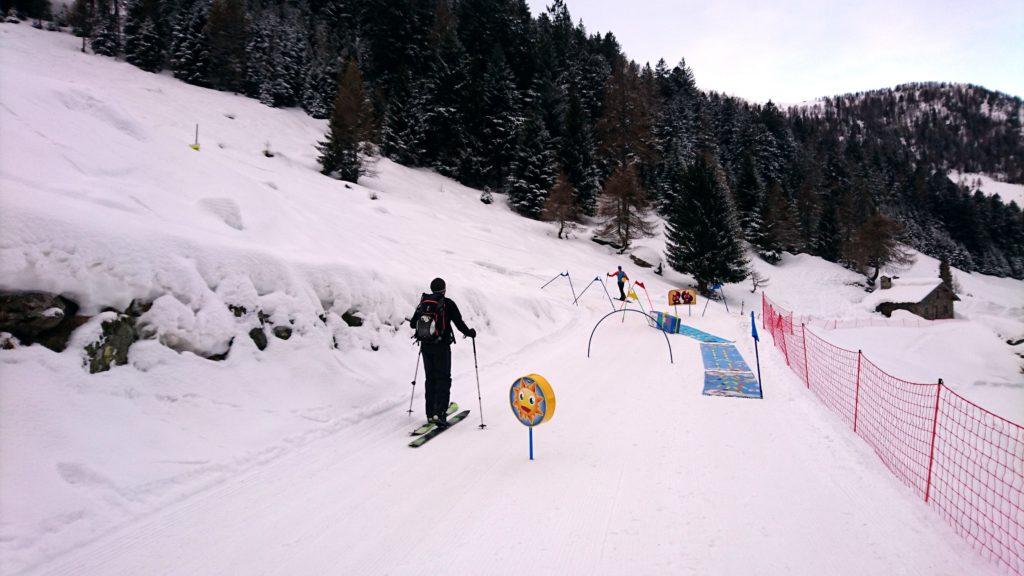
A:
x: 437, y: 285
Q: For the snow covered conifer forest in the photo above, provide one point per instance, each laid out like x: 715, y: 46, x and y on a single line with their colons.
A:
x: 486, y: 93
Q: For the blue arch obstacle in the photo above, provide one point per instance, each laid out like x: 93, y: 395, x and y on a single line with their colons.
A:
x: 623, y: 311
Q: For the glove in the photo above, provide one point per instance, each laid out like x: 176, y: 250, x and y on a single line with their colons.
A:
x: 471, y: 333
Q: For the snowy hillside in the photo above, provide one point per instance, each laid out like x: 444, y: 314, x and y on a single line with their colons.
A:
x: 293, y: 459
x: 990, y: 186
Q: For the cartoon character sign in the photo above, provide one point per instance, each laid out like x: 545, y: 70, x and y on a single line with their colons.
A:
x: 689, y: 297
x: 532, y: 400
x: 682, y: 297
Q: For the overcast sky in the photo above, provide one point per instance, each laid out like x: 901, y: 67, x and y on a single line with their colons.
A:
x: 794, y: 50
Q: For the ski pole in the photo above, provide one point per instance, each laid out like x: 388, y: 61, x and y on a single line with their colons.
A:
x: 478, y: 396
x: 571, y: 288
x: 414, y: 375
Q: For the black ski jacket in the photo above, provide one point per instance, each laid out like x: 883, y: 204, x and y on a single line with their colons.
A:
x: 452, y: 317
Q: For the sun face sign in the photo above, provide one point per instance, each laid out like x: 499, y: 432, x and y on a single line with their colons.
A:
x: 532, y: 400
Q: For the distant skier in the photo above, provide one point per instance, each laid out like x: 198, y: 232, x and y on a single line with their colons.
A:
x: 621, y: 278
x: 432, y: 322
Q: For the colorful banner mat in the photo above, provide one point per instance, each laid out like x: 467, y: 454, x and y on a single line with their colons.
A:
x: 726, y: 373
x: 673, y: 325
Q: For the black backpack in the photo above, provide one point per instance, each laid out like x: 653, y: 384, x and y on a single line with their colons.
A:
x: 431, y: 320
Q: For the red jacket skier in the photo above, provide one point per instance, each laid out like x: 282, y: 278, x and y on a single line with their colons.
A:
x: 621, y: 278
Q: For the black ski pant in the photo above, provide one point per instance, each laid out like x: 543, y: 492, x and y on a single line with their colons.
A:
x: 437, y: 364
x: 622, y: 292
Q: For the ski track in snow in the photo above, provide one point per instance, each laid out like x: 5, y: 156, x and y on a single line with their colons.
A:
x: 630, y: 488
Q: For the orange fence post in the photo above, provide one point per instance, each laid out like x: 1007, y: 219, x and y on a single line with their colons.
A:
x: 803, y: 334
x: 931, y: 453
x: 856, y: 393
x: 785, y: 346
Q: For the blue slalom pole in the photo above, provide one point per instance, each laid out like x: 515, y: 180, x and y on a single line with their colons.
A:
x: 757, y: 355
x: 585, y: 289
x: 605, y: 286
x: 571, y: 288
x: 550, y: 281
x: 722, y: 292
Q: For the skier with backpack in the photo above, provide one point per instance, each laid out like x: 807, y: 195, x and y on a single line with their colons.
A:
x: 621, y: 278
x: 432, y: 322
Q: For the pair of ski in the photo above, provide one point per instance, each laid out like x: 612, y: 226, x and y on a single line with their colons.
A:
x: 427, y: 431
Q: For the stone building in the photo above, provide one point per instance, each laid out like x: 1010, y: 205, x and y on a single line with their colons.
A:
x: 931, y: 300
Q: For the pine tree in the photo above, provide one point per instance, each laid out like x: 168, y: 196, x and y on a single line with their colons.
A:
x: 677, y: 128
x: 782, y: 219
x: 770, y: 143
x: 762, y: 229
x: 258, y: 50
x: 702, y: 237
x: 827, y: 241
x: 875, y: 245
x: 403, y: 128
x: 394, y: 36
x: 445, y: 96
x: 190, y: 53
x: 339, y: 23
x: 944, y: 273
x: 226, y: 35
x: 350, y: 128
x: 143, y: 43
x: 533, y: 169
x: 501, y: 121
x: 577, y: 155
x: 282, y: 79
x: 624, y: 130
x: 749, y: 200
x: 623, y: 208
x: 560, y: 206
x: 106, y: 28
x: 319, y: 82
x: 81, y: 19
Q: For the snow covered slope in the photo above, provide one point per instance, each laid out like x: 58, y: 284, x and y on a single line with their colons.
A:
x: 970, y: 353
x: 293, y: 460
x: 990, y: 186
